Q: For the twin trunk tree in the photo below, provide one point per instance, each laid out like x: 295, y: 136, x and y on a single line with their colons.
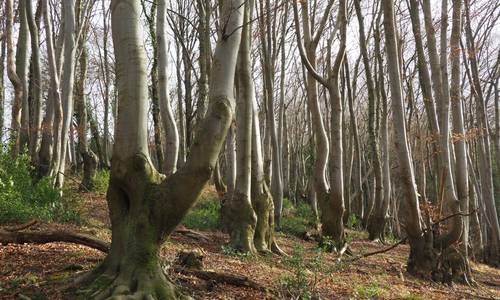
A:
x: 145, y: 206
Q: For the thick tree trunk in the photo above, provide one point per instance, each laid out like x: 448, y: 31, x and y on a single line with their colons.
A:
x: 145, y: 207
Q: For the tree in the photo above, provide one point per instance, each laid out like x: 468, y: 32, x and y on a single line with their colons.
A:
x: 145, y: 207
x: 331, y: 200
x: 13, y: 77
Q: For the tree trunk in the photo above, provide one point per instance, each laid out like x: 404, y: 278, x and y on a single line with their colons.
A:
x: 145, y: 207
x: 49, y: 126
x: 67, y: 84
x: 484, y: 152
x: 22, y: 69
x: 167, y: 115
x: 88, y: 157
x: 35, y: 88
x: 241, y: 216
x: 376, y: 219
x: 14, y: 78
x: 421, y: 259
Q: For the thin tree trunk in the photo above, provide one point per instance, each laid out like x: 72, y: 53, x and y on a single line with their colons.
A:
x: 35, y: 83
x: 14, y: 78
x: 167, y: 114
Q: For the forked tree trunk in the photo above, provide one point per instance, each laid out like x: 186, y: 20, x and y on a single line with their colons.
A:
x: 145, y: 207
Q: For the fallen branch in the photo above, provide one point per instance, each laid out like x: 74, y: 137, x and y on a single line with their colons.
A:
x: 406, y: 238
x: 378, y: 251
x: 191, y: 233
x: 236, y: 280
x: 21, y: 226
x: 12, y: 237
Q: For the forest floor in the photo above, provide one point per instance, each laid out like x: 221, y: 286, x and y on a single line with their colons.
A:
x: 43, y: 271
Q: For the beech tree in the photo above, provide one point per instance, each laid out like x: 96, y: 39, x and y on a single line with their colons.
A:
x: 145, y: 206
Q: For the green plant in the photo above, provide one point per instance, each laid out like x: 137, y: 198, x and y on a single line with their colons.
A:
x: 353, y: 222
x: 297, y: 220
x: 371, y: 291
x: 101, y: 181
x: 204, y: 215
x: 22, y: 198
x: 302, y: 283
x: 230, y: 251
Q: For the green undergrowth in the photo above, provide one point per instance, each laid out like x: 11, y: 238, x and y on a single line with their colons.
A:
x: 22, y: 198
x: 205, y: 215
x: 296, y: 220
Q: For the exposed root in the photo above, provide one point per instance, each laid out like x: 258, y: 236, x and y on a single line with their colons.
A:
x: 105, y: 283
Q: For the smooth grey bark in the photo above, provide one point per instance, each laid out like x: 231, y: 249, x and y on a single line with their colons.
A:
x: 67, y: 84
x: 242, y: 218
x: 330, y: 199
x: 461, y: 170
x: 107, y: 83
x: 484, y: 151
x: 140, y: 199
x: 419, y: 247
x: 35, y: 84
x: 51, y: 120
x: 22, y: 69
x: 167, y: 114
x: 14, y: 78
x: 269, y: 46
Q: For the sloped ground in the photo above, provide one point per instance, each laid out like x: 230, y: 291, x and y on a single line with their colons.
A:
x: 43, y: 271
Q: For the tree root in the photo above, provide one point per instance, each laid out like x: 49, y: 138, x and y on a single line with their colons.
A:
x: 236, y: 280
x: 126, y: 283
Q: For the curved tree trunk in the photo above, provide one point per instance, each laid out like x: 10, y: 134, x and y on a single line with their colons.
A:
x: 145, y: 207
x: 14, y: 78
x: 35, y: 84
x: 421, y: 259
x: 50, y: 122
x: 22, y: 69
x: 167, y: 115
